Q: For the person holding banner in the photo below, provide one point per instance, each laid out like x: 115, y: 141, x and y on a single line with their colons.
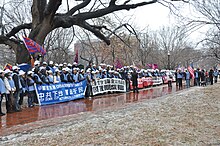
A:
x: 65, y: 76
x: 57, y: 77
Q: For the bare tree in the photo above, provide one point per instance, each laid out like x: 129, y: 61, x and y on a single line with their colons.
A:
x: 46, y: 17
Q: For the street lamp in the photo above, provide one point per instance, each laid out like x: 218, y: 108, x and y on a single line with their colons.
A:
x: 168, y: 55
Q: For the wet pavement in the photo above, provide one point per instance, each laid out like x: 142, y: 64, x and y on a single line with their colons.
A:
x: 29, y: 115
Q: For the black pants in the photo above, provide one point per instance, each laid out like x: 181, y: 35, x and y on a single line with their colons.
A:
x: 211, y: 80
x: 9, y: 102
x: 21, y: 98
x: 216, y: 78
x: 135, y: 88
x: 88, y: 91
x: 1, y: 98
x: 169, y: 83
x: 180, y: 82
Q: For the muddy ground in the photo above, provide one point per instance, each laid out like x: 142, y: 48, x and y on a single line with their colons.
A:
x: 188, y: 117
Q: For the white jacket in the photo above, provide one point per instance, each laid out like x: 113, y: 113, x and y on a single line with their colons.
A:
x: 8, y: 87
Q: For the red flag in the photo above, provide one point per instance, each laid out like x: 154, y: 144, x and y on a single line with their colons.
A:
x: 191, y: 71
x: 33, y: 47
x: 76, y: 56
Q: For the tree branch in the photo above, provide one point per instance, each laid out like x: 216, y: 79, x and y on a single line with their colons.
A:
x: 78, y: 7
x: 108, y: 10
x: 18, y: 28
x: 112, y: 3
x: 52, y: 7
x: 95, y: 31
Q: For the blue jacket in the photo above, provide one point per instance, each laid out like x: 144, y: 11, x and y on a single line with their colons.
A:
x: 2, y: 86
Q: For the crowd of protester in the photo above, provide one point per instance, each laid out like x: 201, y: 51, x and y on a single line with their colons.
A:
x: 15, y: 83
x: 201, y: 77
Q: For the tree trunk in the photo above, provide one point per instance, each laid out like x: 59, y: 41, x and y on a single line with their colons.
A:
x: 22, y: 54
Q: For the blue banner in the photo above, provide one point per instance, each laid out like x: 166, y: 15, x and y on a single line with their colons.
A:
x: 62, y: 92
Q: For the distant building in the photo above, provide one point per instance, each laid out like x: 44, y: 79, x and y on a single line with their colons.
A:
x: 7, y: 55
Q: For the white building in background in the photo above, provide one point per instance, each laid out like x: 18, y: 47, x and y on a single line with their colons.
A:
x: 7, y: 55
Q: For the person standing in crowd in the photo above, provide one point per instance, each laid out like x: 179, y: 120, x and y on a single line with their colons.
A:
x: 196, y: 72
x: 89, y: 79
x: 2, y: 91
x: 57, y: 76
x: 10, y: 89
x: 18, y: 87
x: 187, y: 76
x: 216, y: 73
x: 180, y: 79
x: 89, y: 66
x: 81, y: 75
x: 203, y: 78
x: 75, y: 75
x: 24, y: 86
x: 50, y: 77
x: 65, y: 76
x: 44, y: 76
x: 50, y: 67
x: 211, y: 72
x: 31, y: 90
x: 36, y: 77
x: 134, y: 79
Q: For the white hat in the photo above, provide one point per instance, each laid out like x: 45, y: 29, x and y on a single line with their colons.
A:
x: 44, y: 63
x: 30, y: 72
x: 15, y: 67
x: 7, y: 71
x: 93, y: 65
x: 1, y: 71
x: 88, y: 70
x: 104, y: 70
x: 21, y: 72
x: 69, y: 64
x: 93, y: 72
x: 111, y: 71
x: 51, y: 62
x: 56, y: 64
x: 37, y: 62
x: 41, y: 68
x: 64, y: 63
x: 60, y: 64
x: 57, y: 70
x: 64, y: 69
x: 82, y: 70
x: 49, y: 71
x: 97, y: 71
x: 74, y: 63
x: 74, y: 68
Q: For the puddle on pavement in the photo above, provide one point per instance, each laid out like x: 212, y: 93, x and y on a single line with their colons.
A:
x: 100, y: 102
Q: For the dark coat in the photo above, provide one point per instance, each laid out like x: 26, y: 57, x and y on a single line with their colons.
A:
x: 16, y: 79
x: 134, y: 79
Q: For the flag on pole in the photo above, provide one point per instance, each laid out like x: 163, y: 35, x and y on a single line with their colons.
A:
x: 153, y: 66
x: 8, y: 66
x: 118, y: 64
x: 76, y: 56
x: 33, y: 47
x: 191, y: 71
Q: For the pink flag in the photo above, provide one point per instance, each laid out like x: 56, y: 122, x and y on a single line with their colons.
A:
x: 76, y: 57
x: 118, y: 64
